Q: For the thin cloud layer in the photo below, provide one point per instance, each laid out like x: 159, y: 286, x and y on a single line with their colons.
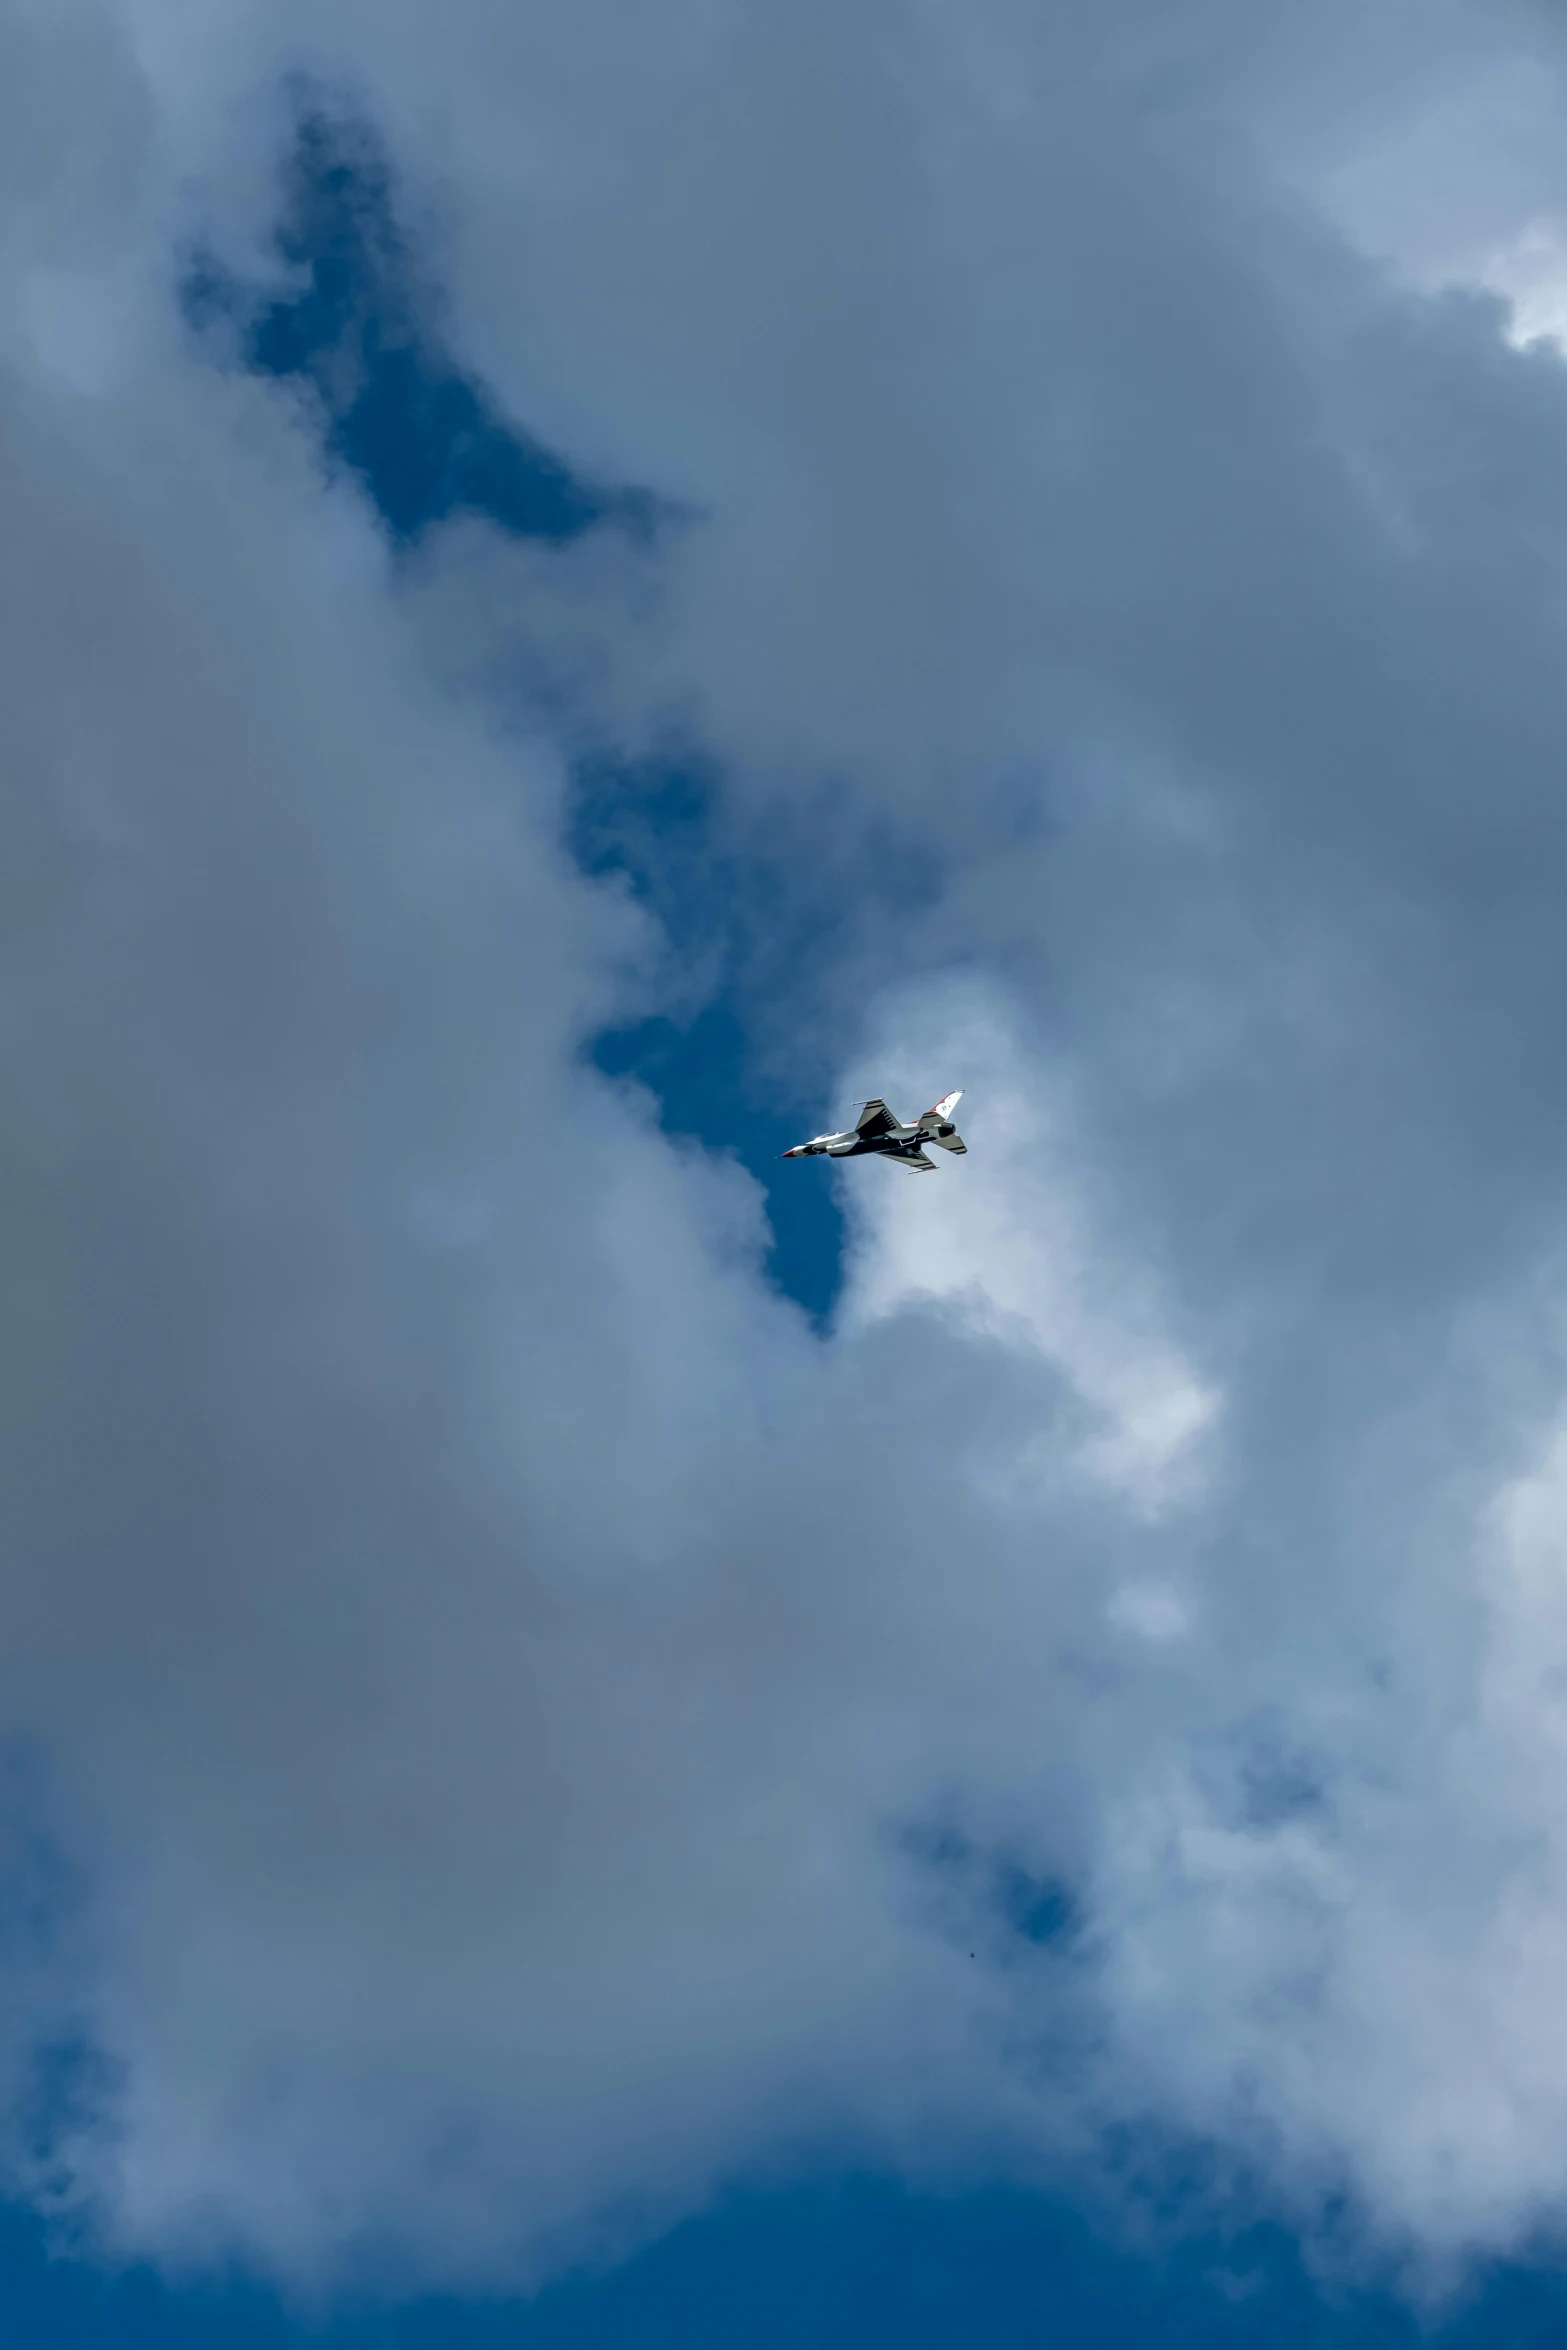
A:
x: 522, y: 1710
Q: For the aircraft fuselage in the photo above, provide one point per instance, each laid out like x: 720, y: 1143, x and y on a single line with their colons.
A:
x: 879, y: 1135
x: 899, y: 1142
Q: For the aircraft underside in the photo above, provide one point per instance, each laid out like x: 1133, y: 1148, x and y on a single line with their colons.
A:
x: 902, y: 1154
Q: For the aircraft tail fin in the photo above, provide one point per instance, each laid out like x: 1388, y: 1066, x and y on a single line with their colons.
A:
x: 936, y: 1125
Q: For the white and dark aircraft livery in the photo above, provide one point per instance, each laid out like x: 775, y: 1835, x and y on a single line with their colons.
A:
x: 877, y: 1132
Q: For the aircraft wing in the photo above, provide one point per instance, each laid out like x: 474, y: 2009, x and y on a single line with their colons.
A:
x: 915, y: 1160
x: 874, y: 1118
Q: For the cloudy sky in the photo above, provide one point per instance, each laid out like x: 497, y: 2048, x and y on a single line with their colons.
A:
x: 606, y: 1740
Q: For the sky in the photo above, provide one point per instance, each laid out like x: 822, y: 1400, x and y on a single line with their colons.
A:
x: 604, y: 1739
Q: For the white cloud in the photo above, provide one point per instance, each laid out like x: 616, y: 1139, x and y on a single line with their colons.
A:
x: 1011, y: 1251
x: 489, y: 1654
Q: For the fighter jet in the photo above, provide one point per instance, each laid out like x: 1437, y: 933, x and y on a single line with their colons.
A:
x: 877, y: 1131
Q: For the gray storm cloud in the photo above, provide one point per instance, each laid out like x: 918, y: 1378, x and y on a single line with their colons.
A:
x: 494, y: 1671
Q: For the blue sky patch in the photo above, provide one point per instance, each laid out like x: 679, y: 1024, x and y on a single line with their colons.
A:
x: 851, y: 2264
x: 425, y: 439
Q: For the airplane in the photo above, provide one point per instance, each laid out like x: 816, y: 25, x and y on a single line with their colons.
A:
x: 877, y: 1131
